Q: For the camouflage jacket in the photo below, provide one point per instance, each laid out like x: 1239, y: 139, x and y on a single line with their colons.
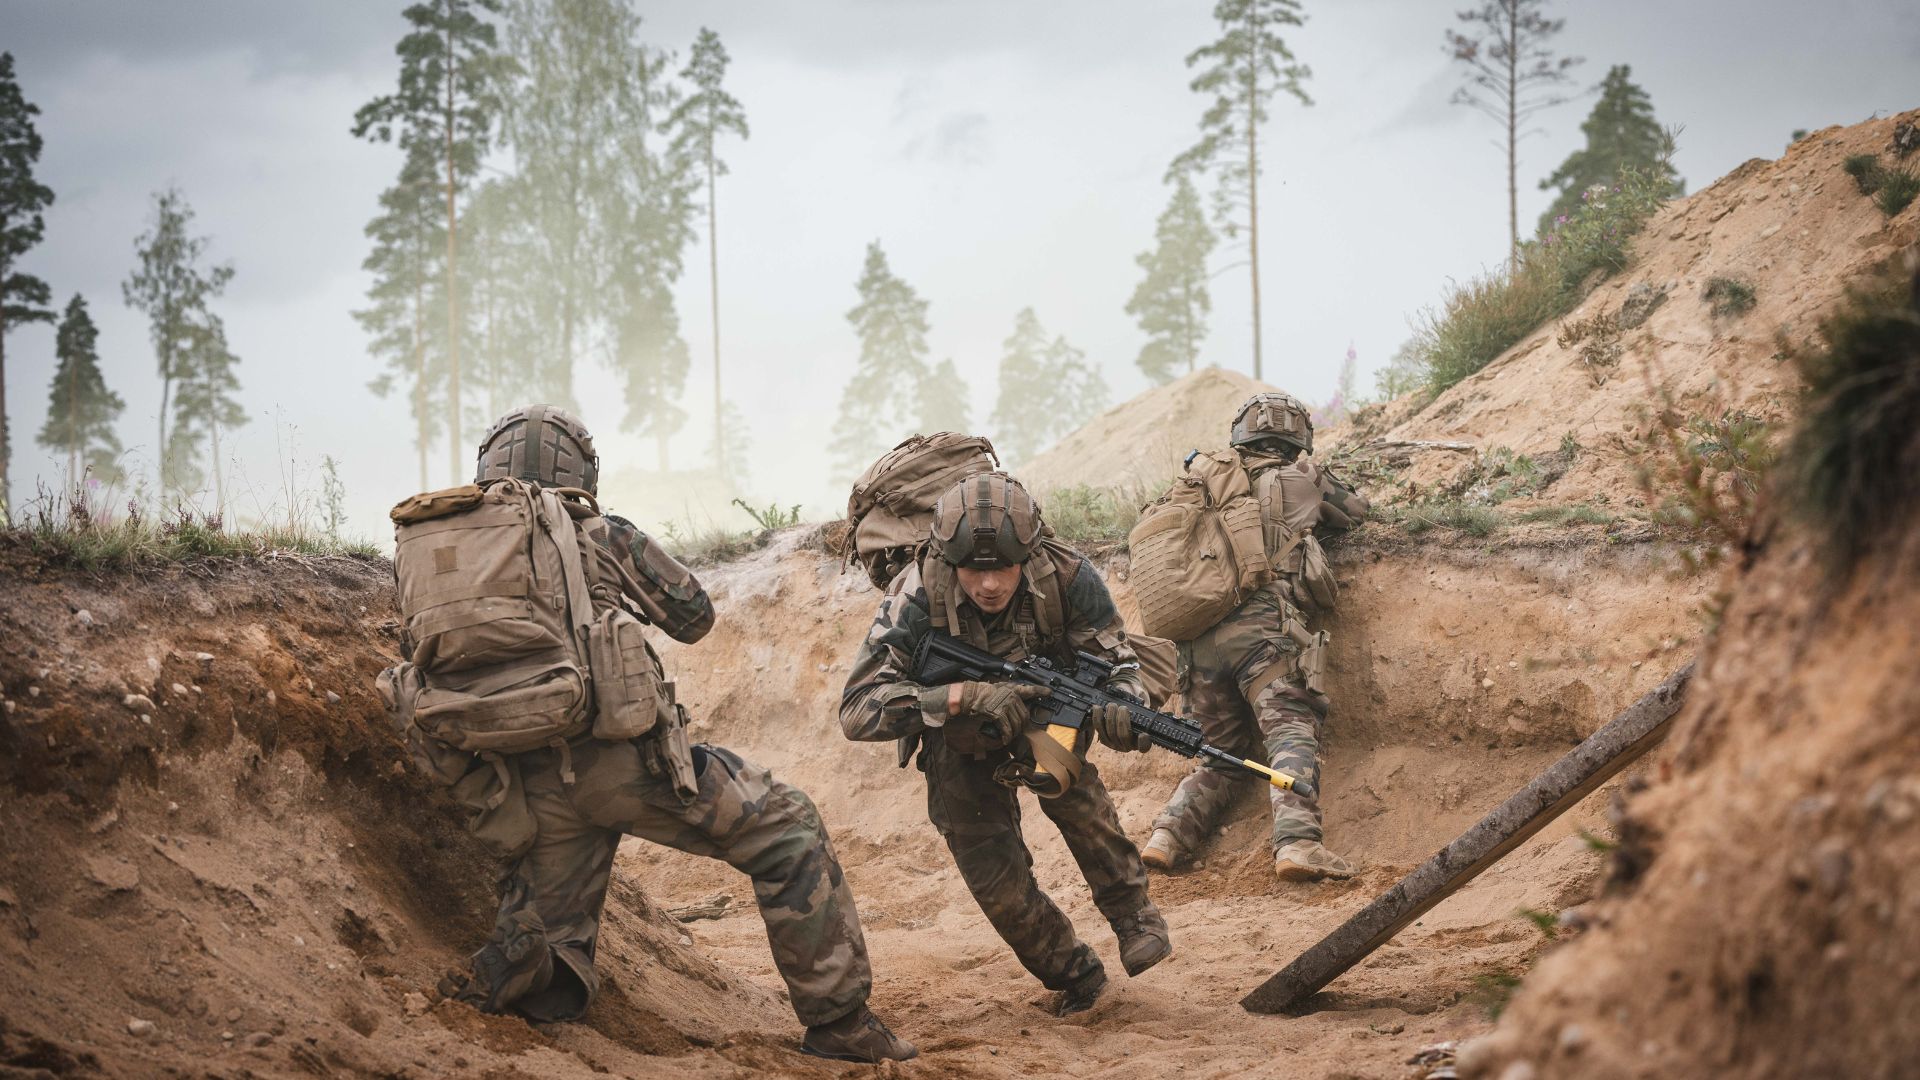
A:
x: 655, y: 584
x: 881, y: 700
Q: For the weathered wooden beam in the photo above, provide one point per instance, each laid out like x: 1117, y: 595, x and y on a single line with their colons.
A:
x: 1551, y: 794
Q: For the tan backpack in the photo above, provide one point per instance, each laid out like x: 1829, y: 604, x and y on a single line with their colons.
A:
x: 891, y: 507
x: 515, y: 644
x: 1199, y: 550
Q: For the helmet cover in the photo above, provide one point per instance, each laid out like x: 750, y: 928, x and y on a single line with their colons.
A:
x: 986, y: 521
x: 1273, y: 416
x: 541, y: 443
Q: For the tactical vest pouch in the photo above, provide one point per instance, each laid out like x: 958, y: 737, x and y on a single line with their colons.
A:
x: 1312, y: 661
x: 670, y: 755
x: 626, y: 688
x: 436, y: 504
x: 1316, y: 585
x: 1199, y: 550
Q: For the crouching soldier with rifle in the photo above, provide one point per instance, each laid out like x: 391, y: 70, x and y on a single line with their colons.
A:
x: 531, y: 691
x: 988, y: 578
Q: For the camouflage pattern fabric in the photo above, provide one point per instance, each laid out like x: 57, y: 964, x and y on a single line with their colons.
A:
x: 979, y: 819
x: 766, y: 829
x: 1280, y: 725
x: 559, y: 839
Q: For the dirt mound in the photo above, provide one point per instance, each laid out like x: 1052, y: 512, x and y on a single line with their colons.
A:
x: 215, y: 861
x: 1142, y: 442
x: 1795, y: 230
x: 1767, y: 922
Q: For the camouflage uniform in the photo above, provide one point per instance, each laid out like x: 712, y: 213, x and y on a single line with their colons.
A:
x: 560, y: 838
x: 978, y: 817
x: 1242, y: 679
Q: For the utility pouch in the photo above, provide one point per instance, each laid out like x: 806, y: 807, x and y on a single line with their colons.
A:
x: 626, y: 687
x: 672, y: 755
x: 1312, y: 662
x: 399, y: 687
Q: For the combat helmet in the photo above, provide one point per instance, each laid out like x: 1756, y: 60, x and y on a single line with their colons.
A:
x: 1273, y: 416
x: 541, y: 443
x: 986, y: 521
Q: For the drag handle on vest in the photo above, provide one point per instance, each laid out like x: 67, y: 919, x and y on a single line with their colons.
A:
x: 1071, y: 698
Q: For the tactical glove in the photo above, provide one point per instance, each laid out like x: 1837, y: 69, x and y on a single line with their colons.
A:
x: 1111, y: 724
x: 990, y: 715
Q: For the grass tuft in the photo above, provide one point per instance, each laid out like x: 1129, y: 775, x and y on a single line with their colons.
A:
x: 1857, y: 449
x: 1475, y: 521
x: 74, y: 530
x: 1728, y: 296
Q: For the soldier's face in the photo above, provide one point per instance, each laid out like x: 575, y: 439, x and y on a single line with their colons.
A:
x: 990, y: 590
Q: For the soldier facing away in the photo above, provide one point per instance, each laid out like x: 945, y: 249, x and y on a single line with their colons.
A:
x: 557, y: 813
x: 989, y: 578
x: 1251, y: 681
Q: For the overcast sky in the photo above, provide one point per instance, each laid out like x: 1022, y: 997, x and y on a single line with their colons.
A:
x: 1007, y: 154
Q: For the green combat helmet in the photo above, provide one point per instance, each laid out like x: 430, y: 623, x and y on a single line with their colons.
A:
x: 1279, y: 417
x: 986, y: 521
x: 543, y: 444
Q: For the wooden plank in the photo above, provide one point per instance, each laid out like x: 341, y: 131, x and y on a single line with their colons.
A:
x: 1552, y: 793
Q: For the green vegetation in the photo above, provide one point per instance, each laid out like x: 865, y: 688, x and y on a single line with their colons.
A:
x: 1599, y: 339
x: 1893, y: 187
x: 1171, y: 302
x: 1047, y: 389
x: 74, y: 530
x: 1417, y: 518
x: 1489, y: 315
x: 1493, y: 990
x: 1856, y: 451
x: 1098, y: 518
x: 1728, y: 296
x: 772, y: 517
x: 24, y: 298
x: 1621, y: 134
x: 697, y: 545
x: 1544, y: 921
x: 1702, y: 473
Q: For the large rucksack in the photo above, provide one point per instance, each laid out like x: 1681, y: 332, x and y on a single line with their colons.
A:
x: 515, y: 643
x: 891, y: 506
x: 1199, y: 550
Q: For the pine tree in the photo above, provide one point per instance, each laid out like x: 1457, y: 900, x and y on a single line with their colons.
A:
x: 448, y: 100
x: 882, y: 402
x: 701, y: 119
x: 943, y: 400
x: 1511, y: 76
x: 650, y: 210
x: 80, y: 409
x: 563, y: 126
x: 23, y: 297
x: 203, y: 408
x: 505, y: 337
x: 171, y: 287
x: 1621, y: 134
x: 1047, y: 389
x: 1171, y: 302
x: 1246, y: 67
x: 407, y: 239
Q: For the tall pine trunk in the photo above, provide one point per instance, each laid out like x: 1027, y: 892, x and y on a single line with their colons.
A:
x: 1253, y: 183
x: 454, y: 443
x: 419, y: 379
x: 73, y: 425
x: 166, y: 391
x: 1513, y: 139
x: 213, y: 428
x: 713, y: 285
x: 6, y: 442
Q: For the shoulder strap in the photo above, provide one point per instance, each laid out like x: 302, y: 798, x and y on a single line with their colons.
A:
x: 566, y: 539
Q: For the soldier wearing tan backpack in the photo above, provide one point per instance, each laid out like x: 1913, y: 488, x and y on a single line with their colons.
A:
x: 1228, y: 563
x: 529, y: 688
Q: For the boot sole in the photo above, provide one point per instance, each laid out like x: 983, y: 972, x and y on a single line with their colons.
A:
x: 1296, y: 872
x: 823, y: 1055
x: 1153, y: 860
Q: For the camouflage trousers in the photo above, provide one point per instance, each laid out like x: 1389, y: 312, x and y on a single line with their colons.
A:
x: 1221, y: 676
x: 562, y: 839
x: 979, y: 819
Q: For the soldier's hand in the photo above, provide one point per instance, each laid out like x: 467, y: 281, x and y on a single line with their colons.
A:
x: 1003, y: 703
x: 1110, y: 722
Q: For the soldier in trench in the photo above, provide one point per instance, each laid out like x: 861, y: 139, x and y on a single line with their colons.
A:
x: 988, y: 577
x: 1252, y: 680
x: 557, y: 813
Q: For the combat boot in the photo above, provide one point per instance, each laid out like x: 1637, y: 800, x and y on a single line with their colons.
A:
x: 1309, y: 860
x: 1144, y: 940
x: 1162, y: 852
x: 1080, y: 996
x: 857, y: 1036
x: 511, y: 968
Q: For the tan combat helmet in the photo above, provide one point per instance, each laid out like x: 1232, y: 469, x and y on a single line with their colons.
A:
x: 1273, y: 416
x: 541, y: 443
x: 986, y: 521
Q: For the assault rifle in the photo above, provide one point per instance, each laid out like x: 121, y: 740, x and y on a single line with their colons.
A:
x: 1071, y: 698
